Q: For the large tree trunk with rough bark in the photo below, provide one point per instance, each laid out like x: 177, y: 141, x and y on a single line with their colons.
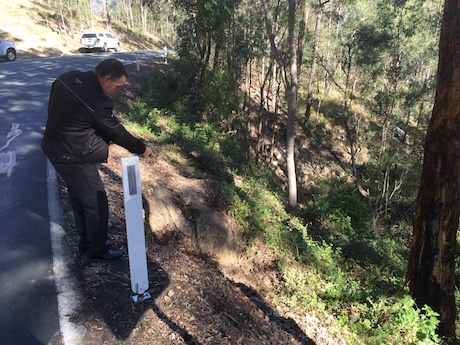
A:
x: 431, y: 270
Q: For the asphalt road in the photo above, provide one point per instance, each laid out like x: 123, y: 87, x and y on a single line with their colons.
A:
x: 29, y: 308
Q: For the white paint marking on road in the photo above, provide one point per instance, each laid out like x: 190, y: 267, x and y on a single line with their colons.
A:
x: 12, y: 134
x: 7, y: 162
x: 68, y: 298
x: 8, y: 159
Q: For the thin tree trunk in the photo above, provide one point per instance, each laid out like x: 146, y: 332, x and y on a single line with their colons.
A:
x: 326, y: 62
x: 431, y: 268
x: 131, y: 16
x: 248, y: 69
x: 143, y: 9
x: 275, y: 124
x: 109, y: 18
x: 292, y: 101
x: 291, y: 95
x: 313, y: 67
x: 303, y: 33
x: 260, y: 129
x: 70, y: 9
x: 217, y: 50
x: 63, y: 21
x: 274, y: 72
x: 90, y: 8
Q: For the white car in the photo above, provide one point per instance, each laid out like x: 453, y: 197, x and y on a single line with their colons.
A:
x: 8, y: 50
x: 99, y: 40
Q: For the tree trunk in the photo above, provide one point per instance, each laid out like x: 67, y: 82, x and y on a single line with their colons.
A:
x: 326, y: 61
x: 144, y: 11
x: 303, y: 33
x: 130, y: 16
x: 63, y: 21
x: 431, y: 269
x: 260, y: 129
x: 70, y: 9
x: 217, y: 50
x: 274, y: 125
x: 109, y: 18
x: 313, y: 67
x: 292, y: 101
x: 291, y: 95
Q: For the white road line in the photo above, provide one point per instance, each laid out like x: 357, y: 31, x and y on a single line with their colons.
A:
x: 67, y: 297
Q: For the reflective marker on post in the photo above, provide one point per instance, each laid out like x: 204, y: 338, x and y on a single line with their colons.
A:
x: 135, y: 227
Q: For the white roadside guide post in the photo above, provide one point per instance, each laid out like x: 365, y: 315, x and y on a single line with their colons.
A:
x: 135, y: 228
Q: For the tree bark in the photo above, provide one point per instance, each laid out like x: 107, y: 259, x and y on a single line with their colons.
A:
x: 431, y: 268
x: 303, y: 33
x: 291, y: 95
x: 131, y: 17
x: 109, y: 17
x: 313, y: 66
x: 144, y: 12
x: 292, y: 101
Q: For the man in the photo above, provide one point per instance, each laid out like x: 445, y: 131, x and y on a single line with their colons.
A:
x: 78, y: 132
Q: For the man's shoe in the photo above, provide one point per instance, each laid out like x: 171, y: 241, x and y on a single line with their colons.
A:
x: 109, y: 255
x: 82, y: 248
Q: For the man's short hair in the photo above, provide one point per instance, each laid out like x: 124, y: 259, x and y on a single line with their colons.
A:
x: 111, y: 67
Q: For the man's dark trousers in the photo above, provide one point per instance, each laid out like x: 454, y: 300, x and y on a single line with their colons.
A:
x: 89, y: 204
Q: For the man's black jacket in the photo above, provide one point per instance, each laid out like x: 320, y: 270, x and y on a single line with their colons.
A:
x: 81, y: 124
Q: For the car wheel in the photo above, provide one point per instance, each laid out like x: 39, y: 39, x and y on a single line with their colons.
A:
x: 10, y: 54
x: 104, y: 47
x: 118, y: 47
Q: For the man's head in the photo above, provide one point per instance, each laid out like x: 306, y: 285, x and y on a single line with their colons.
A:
x: 112, y: 74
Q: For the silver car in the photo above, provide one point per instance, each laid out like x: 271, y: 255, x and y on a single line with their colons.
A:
x: 99, y: 41
x: 8, y: 50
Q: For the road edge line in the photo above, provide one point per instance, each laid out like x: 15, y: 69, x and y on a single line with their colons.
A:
x: 67, y: 297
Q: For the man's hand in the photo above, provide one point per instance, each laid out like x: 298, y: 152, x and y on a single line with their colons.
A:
x: 147, y: 153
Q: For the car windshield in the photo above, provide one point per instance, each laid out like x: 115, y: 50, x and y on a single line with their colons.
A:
x: 89, y: 35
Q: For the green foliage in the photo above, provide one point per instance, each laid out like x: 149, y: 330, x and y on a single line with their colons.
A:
x: 174, y: 87
x: 377, y: 320
x: 140, y: 113
x: 218, y: 105
x: 342, y: 212
x: 360, y: 284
